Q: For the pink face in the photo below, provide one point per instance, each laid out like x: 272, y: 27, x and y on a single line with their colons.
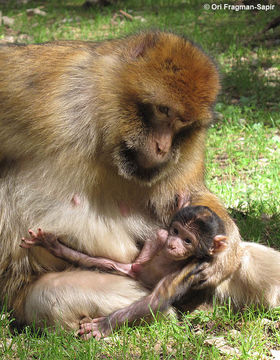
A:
x: 180, y: 243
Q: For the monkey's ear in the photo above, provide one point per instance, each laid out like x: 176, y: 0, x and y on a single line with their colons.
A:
x: 147, y: 42
x: 220, y: 243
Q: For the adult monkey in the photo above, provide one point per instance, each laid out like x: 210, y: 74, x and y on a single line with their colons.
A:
x: 96, y: 141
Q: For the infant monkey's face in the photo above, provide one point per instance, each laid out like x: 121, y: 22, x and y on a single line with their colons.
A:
x: 180, y: 242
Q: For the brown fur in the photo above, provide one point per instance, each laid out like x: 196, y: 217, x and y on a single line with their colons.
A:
x: 66, y: 109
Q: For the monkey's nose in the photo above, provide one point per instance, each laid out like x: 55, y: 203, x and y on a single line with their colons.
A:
x: 163, y: 142
x: 160, y: 149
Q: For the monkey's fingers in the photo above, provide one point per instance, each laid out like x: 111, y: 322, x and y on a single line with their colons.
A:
x: 201, y: 267
x: 84, y: 324
x: 86, y: 328
x: 96, y: 334
x: 201, y: 276
x: 89, y: 330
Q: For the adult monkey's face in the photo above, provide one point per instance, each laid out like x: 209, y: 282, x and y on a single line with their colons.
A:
x: 167, y: 87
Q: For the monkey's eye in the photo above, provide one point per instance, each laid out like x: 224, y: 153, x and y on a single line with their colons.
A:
x: 175, y: 231
x: 163, y: 110
x: 188, y: 241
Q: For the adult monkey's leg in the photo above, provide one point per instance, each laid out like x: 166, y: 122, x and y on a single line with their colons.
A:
x: 64, y: 298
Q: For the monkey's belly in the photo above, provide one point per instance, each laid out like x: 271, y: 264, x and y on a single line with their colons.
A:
x: 113, y: 237
x: 108, y: 235
x: 91, y: 224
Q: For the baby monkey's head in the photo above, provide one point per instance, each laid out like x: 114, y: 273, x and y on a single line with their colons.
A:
x: 195, y: 231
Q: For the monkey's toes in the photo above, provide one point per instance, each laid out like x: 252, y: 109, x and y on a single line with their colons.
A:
x: 32, y: 233
x: 40, y: 232
x: 86, y: 327
x: 27, y: 243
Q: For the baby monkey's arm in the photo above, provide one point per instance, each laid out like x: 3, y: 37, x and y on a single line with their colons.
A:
x: 150, y: 249
x: 51, y: 243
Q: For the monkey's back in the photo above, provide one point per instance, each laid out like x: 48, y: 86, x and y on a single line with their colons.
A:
x: 40, y: 85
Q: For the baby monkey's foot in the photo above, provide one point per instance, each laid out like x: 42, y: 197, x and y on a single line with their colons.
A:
x: 34, y: 240
x: 46, y: 240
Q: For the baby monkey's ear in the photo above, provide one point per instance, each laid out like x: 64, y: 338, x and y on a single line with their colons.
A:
x: 219, y: 244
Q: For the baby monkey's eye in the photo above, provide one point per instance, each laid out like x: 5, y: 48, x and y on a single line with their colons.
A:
x: 175, y: 231
x: 163, y: 110
x: 188, y: 241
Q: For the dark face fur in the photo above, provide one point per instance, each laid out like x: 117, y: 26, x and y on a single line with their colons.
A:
x: 156, y: 146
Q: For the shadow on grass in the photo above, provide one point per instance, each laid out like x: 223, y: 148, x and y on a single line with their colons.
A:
x: 261, y: 229
x: 252, y: 86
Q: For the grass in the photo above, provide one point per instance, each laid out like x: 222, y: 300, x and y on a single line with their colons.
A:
x: 217, y: 334
x: 242, y: 169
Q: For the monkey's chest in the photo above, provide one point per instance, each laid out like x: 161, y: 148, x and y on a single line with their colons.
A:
x: 115, y: 237
x: 99, y: 231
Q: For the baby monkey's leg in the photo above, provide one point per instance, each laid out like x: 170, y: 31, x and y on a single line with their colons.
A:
x: 51, y: 243
x: 169, y: 289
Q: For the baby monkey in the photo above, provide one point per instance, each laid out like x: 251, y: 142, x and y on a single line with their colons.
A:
x: 168, y: 265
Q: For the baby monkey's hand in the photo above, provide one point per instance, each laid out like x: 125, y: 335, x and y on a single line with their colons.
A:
x: 205, y: 276
x: 97, y: 328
